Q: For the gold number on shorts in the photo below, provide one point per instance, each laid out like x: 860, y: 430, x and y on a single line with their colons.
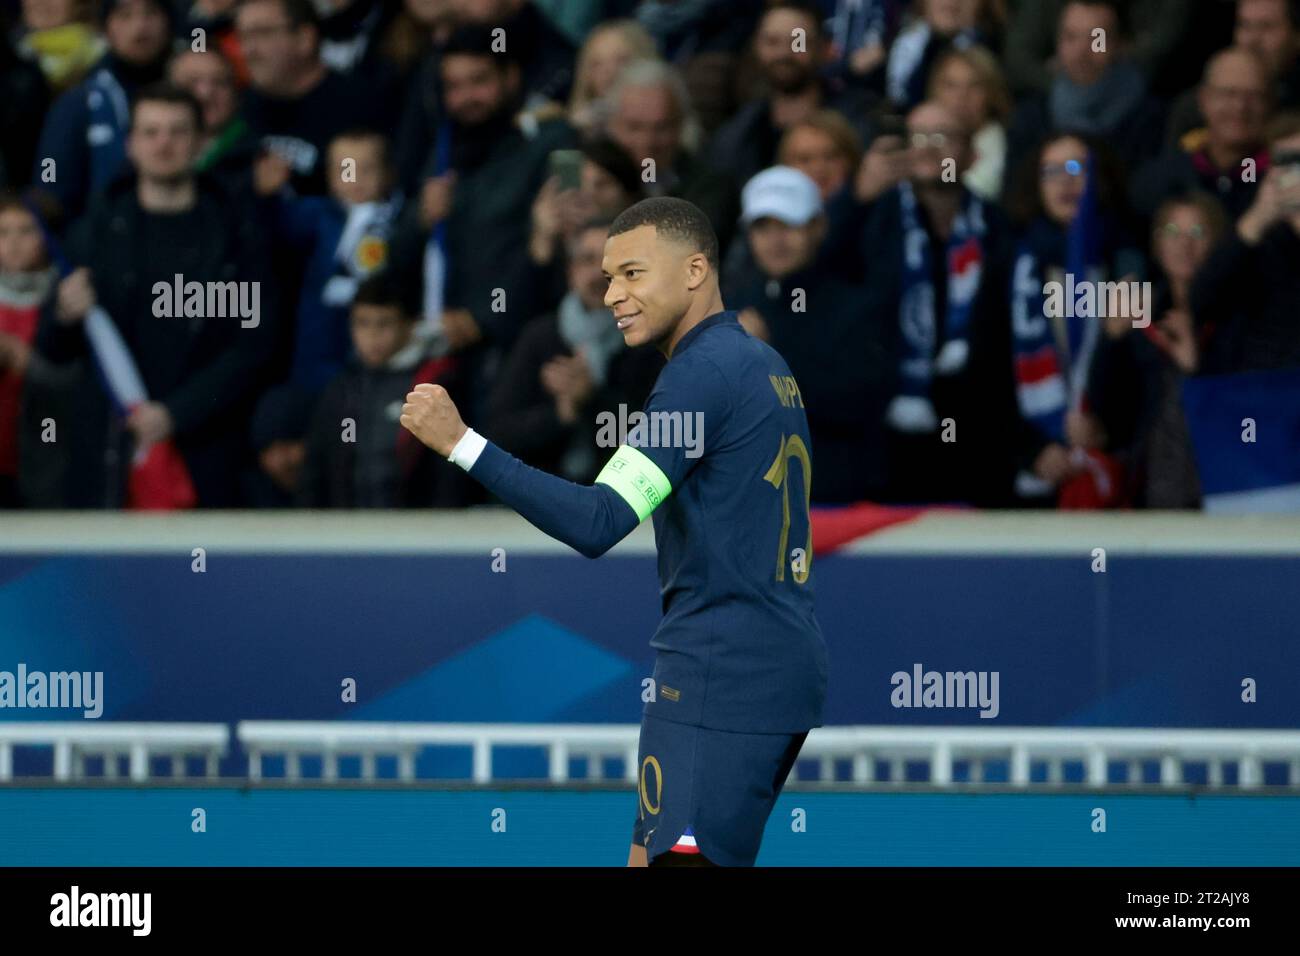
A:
x: 650, y: 808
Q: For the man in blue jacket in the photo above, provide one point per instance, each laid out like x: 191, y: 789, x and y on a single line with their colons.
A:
x: 83, y: 144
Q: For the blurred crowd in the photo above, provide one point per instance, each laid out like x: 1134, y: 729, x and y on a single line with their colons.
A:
x: 235, y: 233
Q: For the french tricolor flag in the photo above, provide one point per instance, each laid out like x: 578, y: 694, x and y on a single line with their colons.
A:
x: 685, y: 843
x: 159, y: 480
x: 1245, y: 430
x: 1039, y: 382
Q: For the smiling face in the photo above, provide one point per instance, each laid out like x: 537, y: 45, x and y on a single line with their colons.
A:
x: 652, y: 280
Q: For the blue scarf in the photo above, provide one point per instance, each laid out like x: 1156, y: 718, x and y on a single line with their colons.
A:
x: 107, y: 121
x: 1054, y: 355
x: 911, y: 409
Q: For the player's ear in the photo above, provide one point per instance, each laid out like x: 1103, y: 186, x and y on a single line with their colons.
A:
x: 697, y: 270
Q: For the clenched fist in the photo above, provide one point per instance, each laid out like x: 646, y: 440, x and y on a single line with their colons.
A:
x: 430, y: 415
x: 75, y: 297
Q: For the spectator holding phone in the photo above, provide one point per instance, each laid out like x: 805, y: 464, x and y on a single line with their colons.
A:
x: 1252, y: 279
x: 597, y: 181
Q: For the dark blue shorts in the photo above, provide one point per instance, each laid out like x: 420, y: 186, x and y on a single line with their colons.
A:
x: 708, y: 791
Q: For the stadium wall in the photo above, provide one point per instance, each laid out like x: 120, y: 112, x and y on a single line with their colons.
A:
x: 410, y: 606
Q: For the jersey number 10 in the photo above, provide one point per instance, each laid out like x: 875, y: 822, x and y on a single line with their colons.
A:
x: 778, y: 475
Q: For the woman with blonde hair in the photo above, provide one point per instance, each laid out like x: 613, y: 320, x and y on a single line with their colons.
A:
x: 609, y: 47
x: 970, y: 84
x: 825, y: 148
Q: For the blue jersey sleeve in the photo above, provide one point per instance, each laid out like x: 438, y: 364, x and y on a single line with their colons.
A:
x: 591, y: 519
x: 683, y: 417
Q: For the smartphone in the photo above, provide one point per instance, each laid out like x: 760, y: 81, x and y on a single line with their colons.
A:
x: 888, y: 133
x: 566, y: 165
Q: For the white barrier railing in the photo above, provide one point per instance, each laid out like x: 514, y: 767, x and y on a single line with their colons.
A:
x: 75, y: 741
x: 940, y: 749
x: 1033, y: 756
x: 330, y: 740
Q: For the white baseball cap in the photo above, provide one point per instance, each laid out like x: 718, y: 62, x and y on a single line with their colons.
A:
x: 783, y: 193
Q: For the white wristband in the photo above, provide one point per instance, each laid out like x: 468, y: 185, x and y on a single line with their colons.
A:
x: 468, y: 449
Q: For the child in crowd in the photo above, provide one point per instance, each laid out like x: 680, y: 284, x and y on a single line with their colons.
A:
x: 358, y: 455
x: 27, y: 281
x: 345, y: 235
x: 278, y: 435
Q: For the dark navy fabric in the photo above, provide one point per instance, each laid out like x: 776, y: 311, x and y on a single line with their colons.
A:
x: 715, y: 786
x: 739, y: 647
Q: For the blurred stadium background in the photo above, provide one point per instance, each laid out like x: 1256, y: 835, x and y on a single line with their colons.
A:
x: 480, y: 691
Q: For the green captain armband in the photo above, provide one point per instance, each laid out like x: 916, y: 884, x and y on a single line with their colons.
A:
x: 637, y: 480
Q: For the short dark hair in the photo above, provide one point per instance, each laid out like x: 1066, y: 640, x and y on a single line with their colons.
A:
x: 299, y: 13
x: 1119, y: 10
x: 108, y: 7
x: 168, y: 93
x: 613, y: 159
x: 386, y: 289
x: 807, y: 7
x: 474, y: 40
x: 675, y: 218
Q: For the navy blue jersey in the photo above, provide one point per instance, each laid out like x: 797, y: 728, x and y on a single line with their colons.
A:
x: 723, y: 461
x: 739, y: 647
